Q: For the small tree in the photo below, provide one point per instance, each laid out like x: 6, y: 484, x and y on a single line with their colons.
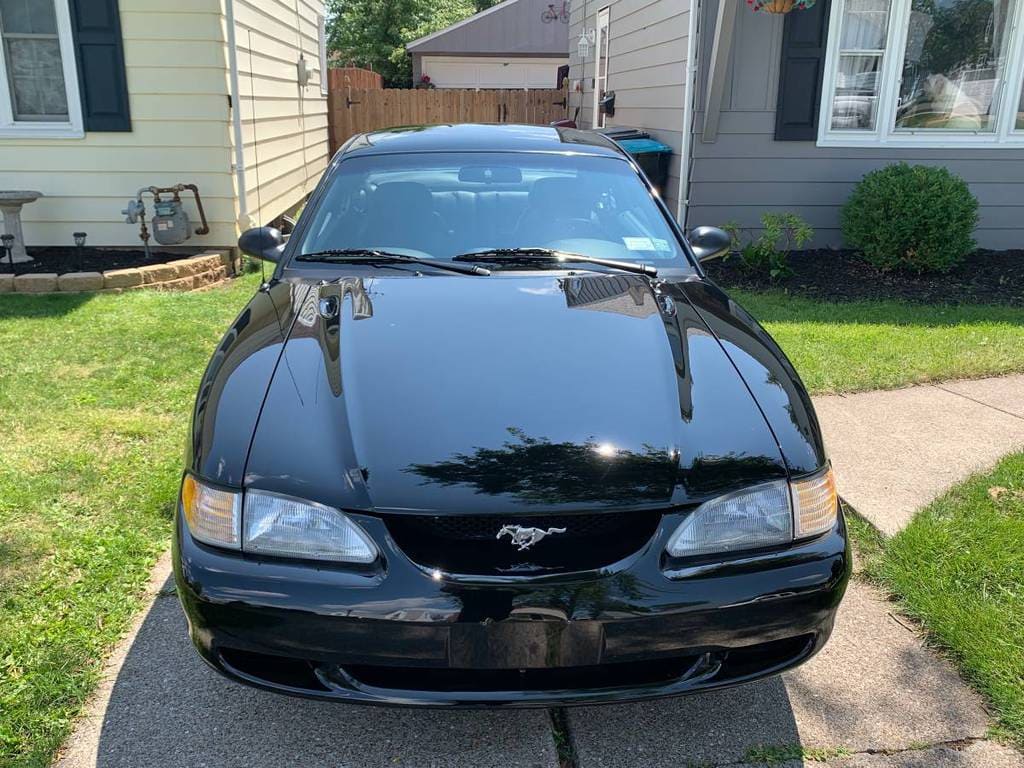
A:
x: 373, y: 33
x: 768, y: 253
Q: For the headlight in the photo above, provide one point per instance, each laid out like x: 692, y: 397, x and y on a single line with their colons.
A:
x: 281, y: 525
x: 766, y: 515
x: 213, y: 516
x: 271, y: 524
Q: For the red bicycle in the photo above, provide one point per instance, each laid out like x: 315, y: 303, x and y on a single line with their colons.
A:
x: 551, y: 13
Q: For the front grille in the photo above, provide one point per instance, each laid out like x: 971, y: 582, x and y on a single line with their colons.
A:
x: 468, y: 544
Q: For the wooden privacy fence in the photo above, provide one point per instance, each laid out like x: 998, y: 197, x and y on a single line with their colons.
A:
x: 353, y: 77
x: 353, y: 111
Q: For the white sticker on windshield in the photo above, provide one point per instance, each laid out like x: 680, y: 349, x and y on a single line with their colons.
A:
x: 638, y: 243
x: 661, y: 245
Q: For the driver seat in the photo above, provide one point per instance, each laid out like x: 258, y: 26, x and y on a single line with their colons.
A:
x: 553, y: 203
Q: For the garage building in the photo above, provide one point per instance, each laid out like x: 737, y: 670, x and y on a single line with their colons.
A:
x: 515, y: 44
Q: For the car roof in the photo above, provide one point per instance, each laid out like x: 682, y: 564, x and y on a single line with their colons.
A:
x: 479, y: 137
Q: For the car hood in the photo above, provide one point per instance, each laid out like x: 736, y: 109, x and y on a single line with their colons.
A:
x: 535, y: 392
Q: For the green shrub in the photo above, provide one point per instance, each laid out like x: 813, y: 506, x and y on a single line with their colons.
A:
x: 911, y: 217
x: 768, y: 253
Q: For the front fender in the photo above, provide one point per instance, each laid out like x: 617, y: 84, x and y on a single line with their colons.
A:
x: 768, y: 373
x: 236, y: 381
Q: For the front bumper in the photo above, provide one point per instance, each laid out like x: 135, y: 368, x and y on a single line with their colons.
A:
x: 398, y: 634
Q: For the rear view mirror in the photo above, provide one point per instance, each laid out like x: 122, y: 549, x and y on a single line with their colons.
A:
x: 265, y: 243
x: 491, y: 174
x: 709, y: 243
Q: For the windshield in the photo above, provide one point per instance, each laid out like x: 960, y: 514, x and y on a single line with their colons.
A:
x: 441, y: 205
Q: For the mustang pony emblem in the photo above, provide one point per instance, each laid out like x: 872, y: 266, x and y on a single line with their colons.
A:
x: 525, y: 538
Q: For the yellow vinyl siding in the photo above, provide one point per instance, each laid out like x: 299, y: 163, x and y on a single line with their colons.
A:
x: 175, y: 58
x: 284, y: 126
x: 177, y: 69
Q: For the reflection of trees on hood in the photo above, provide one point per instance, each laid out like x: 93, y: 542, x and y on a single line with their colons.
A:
x: 711, y: 475
x: 538, y: 471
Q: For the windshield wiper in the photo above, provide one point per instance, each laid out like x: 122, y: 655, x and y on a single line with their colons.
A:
x: 550, y: 254
x: 375, y: 255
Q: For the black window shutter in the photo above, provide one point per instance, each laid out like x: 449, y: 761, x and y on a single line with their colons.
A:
x: 804, y: 39
x: 99, y: 54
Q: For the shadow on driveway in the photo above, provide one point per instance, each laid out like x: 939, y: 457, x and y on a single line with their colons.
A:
x: 873, y: 689
x: 168, y: 709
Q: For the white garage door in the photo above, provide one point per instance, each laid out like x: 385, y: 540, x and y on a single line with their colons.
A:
x: 492, y: 72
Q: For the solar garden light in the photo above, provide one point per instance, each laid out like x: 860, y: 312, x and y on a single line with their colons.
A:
x: 8, y: 245
x: 80, y: 245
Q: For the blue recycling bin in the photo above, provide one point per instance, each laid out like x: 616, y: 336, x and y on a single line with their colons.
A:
x: 650, y: 154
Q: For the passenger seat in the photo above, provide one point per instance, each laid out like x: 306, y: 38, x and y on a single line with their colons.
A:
x: 401, y: 215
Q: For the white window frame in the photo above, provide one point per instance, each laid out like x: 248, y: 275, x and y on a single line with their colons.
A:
x: 33, y: 129
x: 884, y: 132
x: 601, y: 37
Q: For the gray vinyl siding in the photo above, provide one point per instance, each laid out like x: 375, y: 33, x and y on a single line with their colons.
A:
x: 508, y: 29
x: 647, y: 70
x: 745, y: 172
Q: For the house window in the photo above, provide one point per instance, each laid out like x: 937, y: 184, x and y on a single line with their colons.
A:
x: 38, y: 83
x: 1019, y: 125
x: 924, y: 73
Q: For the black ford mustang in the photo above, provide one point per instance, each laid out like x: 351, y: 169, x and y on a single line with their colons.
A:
x: 489, y: 437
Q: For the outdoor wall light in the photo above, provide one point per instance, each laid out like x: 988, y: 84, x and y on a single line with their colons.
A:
x: 8, y: 245
x: 587, y: 38
x: 80, y: 245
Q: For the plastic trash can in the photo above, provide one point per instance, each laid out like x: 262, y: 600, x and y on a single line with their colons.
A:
x: 650, y: 154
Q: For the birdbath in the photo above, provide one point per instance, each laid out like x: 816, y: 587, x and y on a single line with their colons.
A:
x: 10, y: 204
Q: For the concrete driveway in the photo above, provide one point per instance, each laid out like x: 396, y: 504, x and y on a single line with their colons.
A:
x: 874, y: 698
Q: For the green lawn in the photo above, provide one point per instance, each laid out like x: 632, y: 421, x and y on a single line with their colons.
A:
x: 853, y: 346
x: 95, y: 394
x: 959, y: 568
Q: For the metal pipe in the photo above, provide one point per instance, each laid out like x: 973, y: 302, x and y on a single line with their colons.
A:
x: 236, y: 113
x: 689, y: 94
x: 143, y: 230
x: 205, y: 229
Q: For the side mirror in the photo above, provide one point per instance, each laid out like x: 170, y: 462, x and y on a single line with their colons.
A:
x: 709, y: 243
x: 264, y: 243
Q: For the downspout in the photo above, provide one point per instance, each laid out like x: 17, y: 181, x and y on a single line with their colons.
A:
x: 689, y: 94
x: 236, y: 114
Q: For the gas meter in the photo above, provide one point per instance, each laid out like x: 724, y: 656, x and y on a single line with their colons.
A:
x: 170, y: 222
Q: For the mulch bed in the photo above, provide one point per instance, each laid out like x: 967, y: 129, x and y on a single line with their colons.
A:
x: 62, y: 260
x: 986, y: 277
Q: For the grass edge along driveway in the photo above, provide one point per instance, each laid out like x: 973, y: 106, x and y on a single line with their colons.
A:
x: 95, y: 393
x: 958, y: 568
